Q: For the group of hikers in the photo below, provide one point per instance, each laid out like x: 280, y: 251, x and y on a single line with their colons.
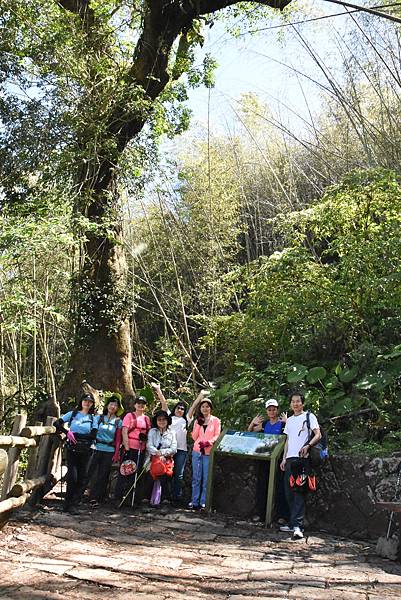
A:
x: 155, y: 449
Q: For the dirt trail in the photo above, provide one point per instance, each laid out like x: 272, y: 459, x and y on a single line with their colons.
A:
x: 157, y: 555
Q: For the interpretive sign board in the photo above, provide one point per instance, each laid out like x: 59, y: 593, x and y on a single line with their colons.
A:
x: 250, y: 444
x: 256, y: 446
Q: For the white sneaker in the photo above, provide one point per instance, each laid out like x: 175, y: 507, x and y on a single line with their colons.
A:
x: 298, y: 535
x: 286, y: 528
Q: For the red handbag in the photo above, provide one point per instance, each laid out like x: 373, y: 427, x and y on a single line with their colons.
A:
x: 159, y: 467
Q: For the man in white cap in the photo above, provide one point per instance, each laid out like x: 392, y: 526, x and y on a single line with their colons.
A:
x: 273, y: 425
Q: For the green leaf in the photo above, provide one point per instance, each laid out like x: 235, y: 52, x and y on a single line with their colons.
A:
x: 147, y: 392
x: 348, y: 375
x: 394, y: 354
x: 335, y: 394
x: 338, y: 369
x: 367, y: 383
x: 331, y: 382
x: 375, y: 381
x: 297, y: 373
x: 316, y: 374
x: 394, y: 367
x: 343, y: 406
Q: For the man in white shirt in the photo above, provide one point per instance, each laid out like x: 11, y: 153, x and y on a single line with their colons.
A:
x: 297, y: 446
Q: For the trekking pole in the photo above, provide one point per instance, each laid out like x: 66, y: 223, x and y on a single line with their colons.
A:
x: 61, y: 468
x: 132, y: 487
x: 136, y: 479
x: 397, y: 487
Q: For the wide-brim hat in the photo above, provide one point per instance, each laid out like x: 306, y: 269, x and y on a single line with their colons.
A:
x: 117, y: 400
x: 161, y: 413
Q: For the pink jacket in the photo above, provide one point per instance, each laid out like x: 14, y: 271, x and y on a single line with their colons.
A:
x: 210, y: 435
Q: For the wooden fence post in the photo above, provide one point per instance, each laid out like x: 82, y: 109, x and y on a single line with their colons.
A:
x: 10, y: 475
x: 45, y: 459
x: 3, y: 461
x: 32, y: 458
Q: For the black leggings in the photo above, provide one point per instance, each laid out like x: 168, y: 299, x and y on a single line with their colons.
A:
x: 78, y: 464
x: 100, y: 467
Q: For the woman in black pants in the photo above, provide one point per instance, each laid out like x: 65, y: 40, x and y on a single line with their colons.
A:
x: 81, y: 434
x: 108, y: 441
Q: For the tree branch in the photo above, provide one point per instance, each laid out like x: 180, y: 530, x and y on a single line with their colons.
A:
x: 80, y: 8
x: 163, y: 22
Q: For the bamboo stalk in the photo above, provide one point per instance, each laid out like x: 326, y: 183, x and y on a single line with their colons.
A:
x: 34, y: 341
x: 23, y: 487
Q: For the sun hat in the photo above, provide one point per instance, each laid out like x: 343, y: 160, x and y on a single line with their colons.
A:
x: 117, y: 399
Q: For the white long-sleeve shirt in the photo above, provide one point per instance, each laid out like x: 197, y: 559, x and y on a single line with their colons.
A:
x: 165, y: 443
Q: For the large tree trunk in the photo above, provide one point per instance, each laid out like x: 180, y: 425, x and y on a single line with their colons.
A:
x: 102, y: 348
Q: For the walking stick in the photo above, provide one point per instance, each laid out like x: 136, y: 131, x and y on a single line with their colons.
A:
x: 61, y: 467
x: 132, y: 487
x: 136, y: 479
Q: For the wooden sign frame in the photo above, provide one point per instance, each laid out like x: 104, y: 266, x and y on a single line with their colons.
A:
x: 271, y: 457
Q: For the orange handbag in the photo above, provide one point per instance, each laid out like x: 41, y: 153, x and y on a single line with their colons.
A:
x: 159, y: 467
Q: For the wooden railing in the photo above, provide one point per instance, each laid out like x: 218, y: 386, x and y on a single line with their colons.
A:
x: 44, y: 458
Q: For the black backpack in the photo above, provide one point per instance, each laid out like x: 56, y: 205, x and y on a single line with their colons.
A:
x: 318, y: 452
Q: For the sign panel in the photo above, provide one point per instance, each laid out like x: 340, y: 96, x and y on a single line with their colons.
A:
x: 248, y: 443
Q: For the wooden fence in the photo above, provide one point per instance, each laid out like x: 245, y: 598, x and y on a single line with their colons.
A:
x: 44, y: 459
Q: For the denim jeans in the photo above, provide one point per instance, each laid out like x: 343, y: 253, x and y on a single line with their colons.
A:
x: 296, y: 500
x: 180, y: 458
x: 200, y: 469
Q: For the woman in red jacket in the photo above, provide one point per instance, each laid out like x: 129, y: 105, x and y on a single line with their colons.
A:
x: 205, y: 432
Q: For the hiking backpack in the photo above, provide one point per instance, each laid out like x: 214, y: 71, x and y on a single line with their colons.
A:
x: 318, y: 452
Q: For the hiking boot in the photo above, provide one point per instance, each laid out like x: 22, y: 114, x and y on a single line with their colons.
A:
x: 297, y: 535
x: 287, y: 528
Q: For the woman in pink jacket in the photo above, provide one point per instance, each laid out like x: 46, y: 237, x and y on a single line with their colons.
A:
x: 205, y: 432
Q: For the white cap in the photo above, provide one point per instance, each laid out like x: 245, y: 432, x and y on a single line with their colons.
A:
x: 271, y: 402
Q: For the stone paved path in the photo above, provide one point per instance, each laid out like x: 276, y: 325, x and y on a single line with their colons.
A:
x: 180, y: 555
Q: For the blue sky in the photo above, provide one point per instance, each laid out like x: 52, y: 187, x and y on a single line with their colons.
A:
x: 251, y: 63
